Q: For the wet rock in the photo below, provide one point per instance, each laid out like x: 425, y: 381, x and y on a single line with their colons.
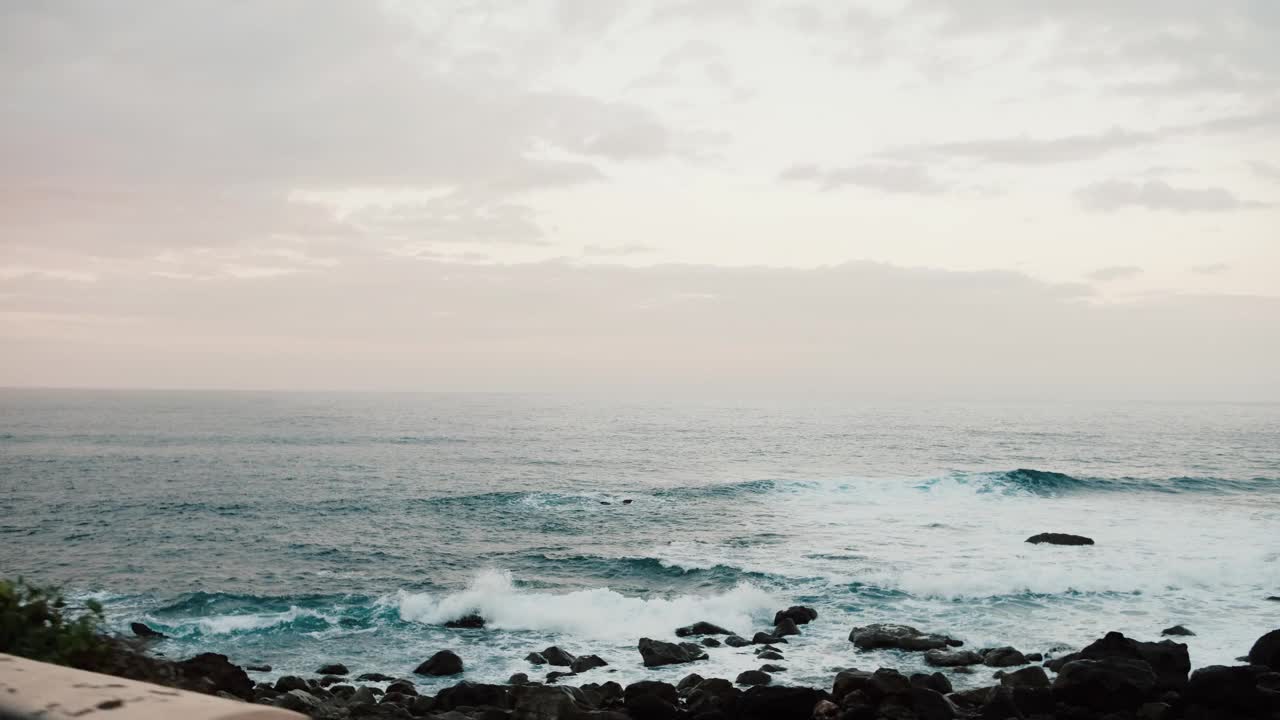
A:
x: 736, y: 641
x: 258, y: 668
x: 535, y: 658
x: 770, y: 655
x: 469, y: 694
x: 328, y: 680
x: 710, y: 642
x: 332, y: 669
x: 627, y: 502
x: 701, y: 628
x: 1034, y: 657
x: 215, y: 672
x: 972, y: 697
x: 558, y: 657
x: 402, y: 687
x: 518, y: 679
x: 952, y: 658
x: 688, y: 683
x: 779, y: 703
x: 299, y: 701
x: 587, y: 662
x: 374, y: 677
x: 555, y: 675
x: 1233, y: 689
x: 542, y: 702
x: 1266, y: 651
x: 786, y: 627
x: 766, y: 668
x: 936, y: 682
x: 363, y: 696
x: 713, y: 695
x: 651, y: 700
x: 1059, y: 539
x: 1176, y: 630
x: 1169, y: 660
x: 342, y: 691
x: 142, y: 630
x: 1034, y: 677
x: 932, y: 705
x: 1155, y: 711
x: 887, y: 682
x: 848, y: 681
x: 471, y: 620
x: 902, y: 637
x: 1003, y: 657
x: 445, y: 662
x: 656, y: 653
x: 1110, y: 684
x: 421, y: 706
x: 763, y: 638
x: 826, y: 710
x: 753, y: 677
x: 798, y: 614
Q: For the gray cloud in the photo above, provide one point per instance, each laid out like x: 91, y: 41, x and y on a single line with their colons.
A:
x: 1157, y: 195
x: 1266, y: 170
x: 616, y: 250
x: 1115, y: 272
x: 1210, y: 269
x: 885, y: 177
x: 703, y: 10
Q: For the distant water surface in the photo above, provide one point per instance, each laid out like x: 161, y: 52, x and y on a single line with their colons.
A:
x: 294, y: 528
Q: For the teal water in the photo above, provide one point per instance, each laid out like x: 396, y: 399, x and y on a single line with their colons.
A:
x: 293, y: 529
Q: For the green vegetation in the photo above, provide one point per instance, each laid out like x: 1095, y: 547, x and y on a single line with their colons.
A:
x: 35, y: 622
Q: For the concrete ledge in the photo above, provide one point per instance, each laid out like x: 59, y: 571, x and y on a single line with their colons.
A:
x: 30, y: 689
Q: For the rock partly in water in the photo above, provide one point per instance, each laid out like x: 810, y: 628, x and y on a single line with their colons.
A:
x: 710, y: 642
x: 656, y: 653
x: 471, y: 620
x: 1003, y: 657
x: 587, y: 662
x: 558, y: 657
x: 374, y: 677
x: 798, y: 614
x: 753, y: 677
x: 936, y: 682
x: 332, y: 669
x: 902, y: 637
x: 214, y: 673
x: 1266, y: 651
x: 1059, y: 539
x: 772, y: 668
x: 786, y: 627
x: 770, y: 655
x: 258, y: 668
x: 701, y: 628
x: 142, y: 630
x: 764, y: 638
x: 952, y: 658
x: 736, y: 641
x: 535, y: 658
x: 445, y: 662
x: 1176, y: 630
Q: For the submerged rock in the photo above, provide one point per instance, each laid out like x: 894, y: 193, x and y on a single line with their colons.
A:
x: 772, y: 668
x: 1176, y: 630
x: 471, y: 620
x: 258, y: 668
x: 753, y: 677
x: 770, y: 655
x: 374, y: 677
x: 952, y: 658
x: 902, y: 637
x: 587, y: 662
x: 142, y: 630
x: 710, y: 642
x: 786, y: 627
x: 445, y: 662
x: 1059, y: 539
x: 535, y: 658
x: 656, y: 653
x: 701, y: 628
x: 332, y: 669
x: 764, y: 638
x: 798, y: 614
x: 556, y: 656
x: 736, y: 641
x: 1003, y: 657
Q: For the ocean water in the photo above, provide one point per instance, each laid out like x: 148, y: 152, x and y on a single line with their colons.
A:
x: 296, y: 529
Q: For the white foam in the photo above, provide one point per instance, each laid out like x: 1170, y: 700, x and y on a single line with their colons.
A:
x: 229, y: 624
x: 598, y: 613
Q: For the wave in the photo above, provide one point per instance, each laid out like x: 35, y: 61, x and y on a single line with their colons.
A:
x: 1046, y: 483
x: 595, y: 613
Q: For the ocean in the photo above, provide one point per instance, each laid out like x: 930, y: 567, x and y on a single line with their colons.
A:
x: 294, y: 529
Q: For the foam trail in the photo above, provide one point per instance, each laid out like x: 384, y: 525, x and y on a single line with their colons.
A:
x: 597, y: 613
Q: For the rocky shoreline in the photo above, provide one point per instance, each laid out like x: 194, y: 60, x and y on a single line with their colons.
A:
x: 1113, y: 678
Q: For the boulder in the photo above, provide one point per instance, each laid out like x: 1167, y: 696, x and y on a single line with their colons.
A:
x: 688, y: 683
x: 1033, y: 677
x: 932, y: 705
x: 763, y: 638
x: 328, y: 680
x: 1169, y: 660
x: 332, y: 669
x: 374, y: 677
x: 753, y: 677
x: 736, y: 641
x: 713, y: 695
x: 887, y: 682
x: 779, y: 703
x: 286, y: 683
x: 144, y: 631
x: 558, y: 657
x: 1227, y: 688
x: 952, y: 658
x: 651, y: 700
x: 1266, y: 651
x: 518, y: 679
x: 902, y: 637
x: 535, y: 658
x: 363, y: 696
x: 471, y: 620
x: 543, y: 702
x: 555, y: 675
x: 701, y: 628
x: 469, y: 694
x: 936, y: 682
x: 710, y: 642
x: 1003, y: 657
x: 299, y: 701
x: 445, y: 662
x: 587, y: 662
x: 1059, y: 539
x: 656, y: 653
x: 770, y: 655
x: 402, y: 687
x: 798, y: 614
x: 786, y: 627
x: 768, y: 668
x: 1176, y: 630
x: 258, y: 668
x: 215, y: 673
x: 1110, y: 684
x: 848, y: 681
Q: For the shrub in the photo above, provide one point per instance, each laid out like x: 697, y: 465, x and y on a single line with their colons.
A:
x: 35, y: 622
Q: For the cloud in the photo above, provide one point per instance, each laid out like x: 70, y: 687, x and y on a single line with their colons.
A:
x: 885, y: 177
x: 703, y: 10
x: 1210, y: 269
x: 615, y: 250
x: 1115, y: 195
x: 1266, y: 170
x: 1115, y: 272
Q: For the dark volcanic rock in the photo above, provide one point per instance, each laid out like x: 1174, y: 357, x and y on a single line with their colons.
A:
x: 374, y: 677
x: 258, y: 668
x: 1059, y: 539
x: 1176, y: 630
x: 471, y: 620
x: 779, y: 703
x: 1112, y: 683
x: 763, y: 638
x: 936, y: 682
x: 848, y: 681
x: 290, y: 682
x: 1230, y: 688
x: 754, y: 677
x: 701, y: 628
x: 770, y: 655
x: 143, y: 631
x: 786, y: 627
x: 332, y: 669
x: 710, y: 642
x: 1003, y: 657
x: 299, y: 701
x: 688, y: 683
x: 713, y: 695
x: 902, y: 637
x: 1034, y: 677
x: 469, y: 694
x: 587, y: 662
x: 932, y: 705
x: 772, y: 668
x: 651, y: 700
x: 656, y: 653
x: 558, y: 657
x: 555, y: 675
x: 887, y: 682
x: 445, y: 662
x: 535, y: 658
x: 402, y: 687
x: 1266, y: 651
x: 952, y: 658
x: 736, y: 641
x: 218, y: 674
x: 1169, y: 660
x: 542, y: 702
x: 798, y: 614
x: 518, y: 679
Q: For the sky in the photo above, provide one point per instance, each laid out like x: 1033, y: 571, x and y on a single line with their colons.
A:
x: 993, y: 196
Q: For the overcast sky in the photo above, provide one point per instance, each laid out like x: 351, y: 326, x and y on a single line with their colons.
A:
x: 977, y: 196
